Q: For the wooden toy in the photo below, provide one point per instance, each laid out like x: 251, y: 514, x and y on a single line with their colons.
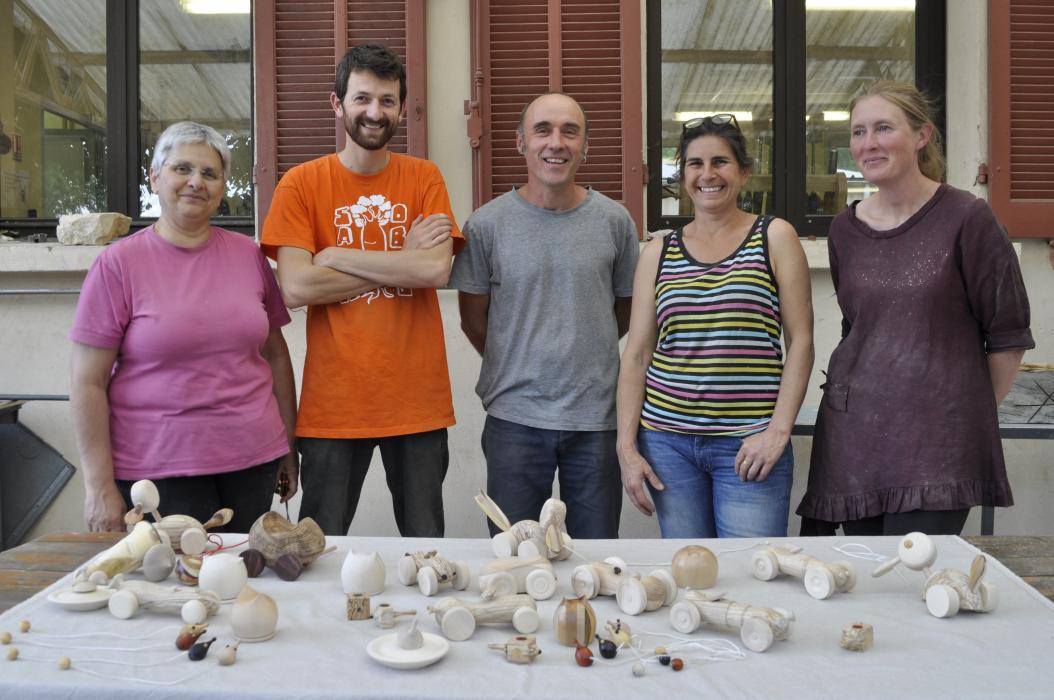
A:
x: 758, y: 627
x: 408, y: 648
x: 655, y: 590
x: 132, y: 596
x: 583, y: 655
x: 429, y: 571
x: 125, y: 555
x: 945, y: 591
x: 546, y: 536
x: 223, y: 573
x: 274, y: 536
x: 458, y: 619
x: 821, y: 579
x: 857, y: 636
x: 386, y: 616
x: 510, y: 575
x: 254, y: 616
x: 600, y: 577
x: 694, y: 566
x: 358, y: 606
x: 618, y: 632
x: 362, y: 573
x: 188, y: 635
x: 521, y: 649
x: 574, y: 622
x: 228, y: 655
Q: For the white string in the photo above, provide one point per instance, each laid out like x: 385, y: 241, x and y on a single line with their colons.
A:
x: 713, y: 649
x: 92, y: 647
x: 167, y: 629
x: 716, y: 553
x: 108, y: 676
x: 858, y: 550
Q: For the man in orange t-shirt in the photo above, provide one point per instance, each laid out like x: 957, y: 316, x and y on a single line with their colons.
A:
x: 362, y: 238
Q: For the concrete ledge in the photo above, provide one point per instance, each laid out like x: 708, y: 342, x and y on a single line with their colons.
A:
x: 46, y: 257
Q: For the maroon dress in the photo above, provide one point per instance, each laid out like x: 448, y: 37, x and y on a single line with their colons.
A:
x: 908, y: 417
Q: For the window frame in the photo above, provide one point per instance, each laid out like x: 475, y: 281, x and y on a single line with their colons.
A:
x: 121, y: 163
x: 788, y: 105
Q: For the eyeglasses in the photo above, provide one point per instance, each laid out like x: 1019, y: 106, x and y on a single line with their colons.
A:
x: 712, y: 120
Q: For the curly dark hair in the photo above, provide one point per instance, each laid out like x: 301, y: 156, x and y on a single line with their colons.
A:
x: 377, y: 59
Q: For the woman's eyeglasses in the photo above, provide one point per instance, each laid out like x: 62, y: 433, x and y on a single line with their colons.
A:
x: 712, y: 120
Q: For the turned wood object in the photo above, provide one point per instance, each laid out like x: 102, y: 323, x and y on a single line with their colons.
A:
x: 131, y: 596
x: 600, y: 577
x: 358, y: 606
x: 534, y: 576
x: 521, y: 649
x: 458, y: 619
x: 758, y: 626
x: 857, y: 636
x: 822, y: 579
x: 635, y: 596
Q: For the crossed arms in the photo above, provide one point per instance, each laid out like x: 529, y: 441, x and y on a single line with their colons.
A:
x: 335, y: 274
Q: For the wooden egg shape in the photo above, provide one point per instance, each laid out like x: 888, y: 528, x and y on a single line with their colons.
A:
x: 224, y: 574
x: 917, y: 551
x: 583, y: 656
x: 288, y: 567
x: 254, y: 562
x: 194, y: 612
x: 694, y: 566
x: 574, y: 621
x: 144, y: 493
x: 254, y: 616
x: 228, y: 655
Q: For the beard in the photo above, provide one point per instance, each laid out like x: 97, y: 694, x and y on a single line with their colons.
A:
x: 371, y: 141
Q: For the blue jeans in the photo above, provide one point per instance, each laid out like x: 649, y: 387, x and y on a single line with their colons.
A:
x: 521, y: 464
x: 704, y: 497
x: 332, y: 472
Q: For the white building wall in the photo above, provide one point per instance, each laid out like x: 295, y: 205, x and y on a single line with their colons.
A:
x: 33, y: 328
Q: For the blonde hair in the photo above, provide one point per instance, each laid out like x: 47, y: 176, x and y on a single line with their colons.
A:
x: 919, y: 110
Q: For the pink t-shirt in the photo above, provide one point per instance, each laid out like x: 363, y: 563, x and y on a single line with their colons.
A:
x: 190, y: 392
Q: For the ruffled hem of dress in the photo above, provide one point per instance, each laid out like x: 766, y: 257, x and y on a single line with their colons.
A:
x: 955, y: 496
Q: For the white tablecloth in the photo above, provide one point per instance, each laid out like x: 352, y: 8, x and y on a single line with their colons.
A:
x: 318, y: 653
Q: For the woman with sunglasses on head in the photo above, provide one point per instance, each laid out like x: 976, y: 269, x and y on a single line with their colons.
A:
x: 706, y: 398
x: 935, y: 321
x: 180, y: 373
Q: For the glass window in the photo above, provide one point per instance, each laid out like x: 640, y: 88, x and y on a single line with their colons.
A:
x: 194, y: 64
x: 717, y: 58
x: 847, y: 49
x: 52, y: 107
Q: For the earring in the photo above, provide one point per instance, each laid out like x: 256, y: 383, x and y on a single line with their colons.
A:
x: 585, y: 157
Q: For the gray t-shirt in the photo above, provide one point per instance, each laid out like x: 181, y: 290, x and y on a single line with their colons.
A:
x: 551, y: 356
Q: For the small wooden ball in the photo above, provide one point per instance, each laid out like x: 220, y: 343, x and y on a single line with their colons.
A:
x: 677, y: 664
x: 23, y: 626
x: 12, y: 653
x: 638, y: 670
x: 288, y: 567
x: 5, y: 637
x: 254, y: 562
x: 583, y: 656
x: 64, y: 663
x: 660, y: 650
x: 664, y: 660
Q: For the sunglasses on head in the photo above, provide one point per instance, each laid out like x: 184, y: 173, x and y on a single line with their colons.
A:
x: 712, y: 120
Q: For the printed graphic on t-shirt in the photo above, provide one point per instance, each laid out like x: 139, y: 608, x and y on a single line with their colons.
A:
x: 373, y: 223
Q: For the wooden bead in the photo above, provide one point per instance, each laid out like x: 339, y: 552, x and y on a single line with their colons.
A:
x: 583, y: 656
x: 660, y: 650
x: 664, y: 660
x: 254, y: 562
x: 288, y: 567
x: 5, y: 637
x: 23, y: 626
x: 638, y: 669
x: 64, y: 663
x: 12, y: 653
x: 677, y: 664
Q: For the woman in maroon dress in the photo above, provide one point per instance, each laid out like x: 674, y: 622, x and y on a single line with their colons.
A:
x: 935, y: 321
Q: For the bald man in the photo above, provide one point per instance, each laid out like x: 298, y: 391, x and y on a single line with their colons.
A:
x: 544, y: 286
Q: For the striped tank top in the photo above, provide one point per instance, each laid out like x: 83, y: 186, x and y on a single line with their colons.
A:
x: 717, y: 366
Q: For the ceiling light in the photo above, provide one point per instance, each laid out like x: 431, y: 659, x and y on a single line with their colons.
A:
x: 216, y: 7
x: 836, y: 116
x: 869, y: 5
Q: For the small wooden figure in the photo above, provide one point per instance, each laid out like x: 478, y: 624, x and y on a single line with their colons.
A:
x: 385, y: 615
x: 948, y: 590
x: 821, y: 579
x: 358, y: 606
x: 430, y: 571
x: 545, y: 537
x: 758, y: 627
x: 600, y: 577
x: 458, y: 619
x: 521, y: 649
x: 655, y: 590
x: 858, y: 636
x: 510, y: 575
x: 618, y: 632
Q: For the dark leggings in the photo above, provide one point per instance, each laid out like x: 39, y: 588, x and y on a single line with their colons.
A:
x: 248, y: 492
x: 931, y: 522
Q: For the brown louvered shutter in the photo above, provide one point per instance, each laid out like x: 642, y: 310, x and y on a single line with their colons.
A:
x: 589, y: 49
x: 1021, y: 102
x: 297, y: 46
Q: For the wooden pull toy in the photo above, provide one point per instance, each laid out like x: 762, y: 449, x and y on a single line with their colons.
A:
x: 285, y: 548
x: 758, y: 627
x: 510, y: 575
x: 821, y: 579
x: 521, y: 649
x: 655, y: 590
x: 600, y: 577
x: 545, y: 537
x: 358, y: 606
x: 458, y: 619
x: 131, y: 596
x: 386, y: 616
x: 430, y: 571
x: 125, y: 555
x: 946, y: 591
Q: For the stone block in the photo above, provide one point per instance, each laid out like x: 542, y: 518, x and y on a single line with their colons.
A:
x: 91, y: 229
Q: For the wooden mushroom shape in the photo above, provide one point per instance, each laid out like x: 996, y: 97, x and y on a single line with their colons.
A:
x: 132, y: 596
x: 948, y: 591
x: 431, y: 571
x: 655, y: 590
x: 821, y: 579
x: 758, y: 627
x: 546, y: 536
x: 600, y: 577
x: 510, y: 575
x: 458, y: 618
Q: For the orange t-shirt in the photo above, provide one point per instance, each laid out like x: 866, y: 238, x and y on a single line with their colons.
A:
x: 376, y: 363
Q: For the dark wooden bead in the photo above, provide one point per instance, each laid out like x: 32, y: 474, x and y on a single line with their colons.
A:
x: 254, y: 562
x: 288, y: 567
